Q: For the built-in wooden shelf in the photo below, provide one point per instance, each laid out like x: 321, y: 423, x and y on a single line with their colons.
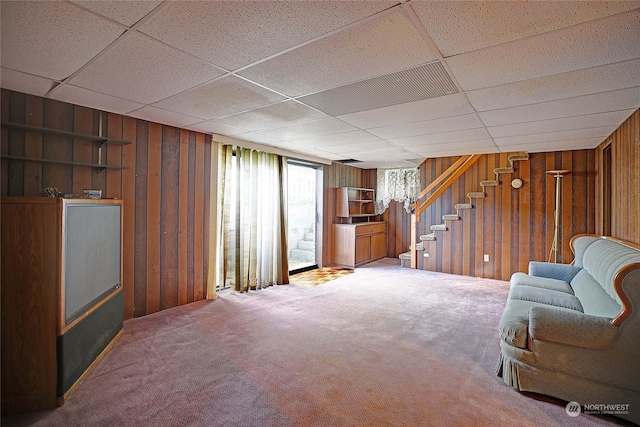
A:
x: 101, y: 140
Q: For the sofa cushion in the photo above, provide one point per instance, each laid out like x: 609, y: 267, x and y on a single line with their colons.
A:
x: 595, y: 301
x: 522, y: 279
x: 603, y: 258
x: 545, y: 296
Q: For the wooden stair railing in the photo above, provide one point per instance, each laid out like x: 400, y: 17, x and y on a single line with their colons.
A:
x: 447, y: 178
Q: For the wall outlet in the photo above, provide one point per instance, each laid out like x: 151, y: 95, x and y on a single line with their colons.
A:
x: 426, y: 255
x: 486, y: 257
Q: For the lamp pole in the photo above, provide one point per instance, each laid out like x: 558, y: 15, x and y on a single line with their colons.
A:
x: 557, y: 174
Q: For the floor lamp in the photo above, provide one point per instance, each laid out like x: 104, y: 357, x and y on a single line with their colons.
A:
x: 557, y: 174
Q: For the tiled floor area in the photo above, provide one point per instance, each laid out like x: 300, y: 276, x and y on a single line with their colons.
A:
x: 318, y: 276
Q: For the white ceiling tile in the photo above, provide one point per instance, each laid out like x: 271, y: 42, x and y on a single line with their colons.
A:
x: 158, y: 115
x: 27, y: 83
x: 143, y: 70
x: 583, y: 82
x: 360, y: 147
x: 309, y: 129
x: 576, y: 134
x: 589, y: 104
x: 343, y: 138
x: 125, y: 12
x: 435, y: 108
x: 613, y: 118
x: 88, y: 98
x: 470, y: 146
x: 441, y: 151
x: 566, y: 145
x: 50, y: 38
x: 272, y: 116
x: 445, y: 124
x: 210, y: 127
x: 385, y: 164
x: 345, y: 57
x: 232, y: 34
x: 229, y: 95
x: 442, y: 138
x: 463, y: 26
x: 587, y: 45
x: 388, y: 154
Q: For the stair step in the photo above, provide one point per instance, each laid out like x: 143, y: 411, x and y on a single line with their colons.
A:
x: 460, y: 206
x: 405, y: 255
x: 310, y: 237
x: 489, y: 183
x: 475, y: 195
x: 302, y: 255
x: 515, y: 157
x: 307, y: 245
x: 428, y: 237
x: 419, y: 246
x: 439, y: 227
x: 451, y: 217
x: 503, y: 170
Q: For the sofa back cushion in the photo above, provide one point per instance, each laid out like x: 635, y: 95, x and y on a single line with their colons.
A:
x: 595, y: 301
x: 603, y: 258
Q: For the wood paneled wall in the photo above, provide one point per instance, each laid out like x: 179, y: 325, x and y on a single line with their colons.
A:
x: 625, y: 181
x: 165, y: 190
x: 512, y: 226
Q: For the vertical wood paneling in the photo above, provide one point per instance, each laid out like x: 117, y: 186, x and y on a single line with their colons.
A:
x: 166, y: 191
x: 33, y: 146
x: 4, y: 146
x: 15, y: 169
x: 625, y: 181
x: 522, y: 215
x: 58, y: 115
x: 129, y: 216
x: 99, y: 177
x: 140, y: 262
x: 169, y: 206
x: 154, y: 172
x: 511, y: 225
x: 82, y: 149
x: 191, y: 202
x: 198, y: 264
x: 183, y: 211
x: 114, y: 157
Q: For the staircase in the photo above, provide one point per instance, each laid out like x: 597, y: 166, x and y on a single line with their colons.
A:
x: 305, y: 250
x: 407, y: 256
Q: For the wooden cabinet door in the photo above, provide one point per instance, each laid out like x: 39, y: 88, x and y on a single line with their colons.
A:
x: 363, y: 249
x: 378, y: 245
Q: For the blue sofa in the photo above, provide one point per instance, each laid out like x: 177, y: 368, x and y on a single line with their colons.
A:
x: 573, y: 331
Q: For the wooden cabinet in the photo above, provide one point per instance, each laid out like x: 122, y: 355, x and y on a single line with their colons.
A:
x: 355, y: 204
x: 357, y: 244
x: 54, y: 331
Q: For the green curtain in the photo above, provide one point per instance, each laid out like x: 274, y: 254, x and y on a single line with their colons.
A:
x: 253, y: 221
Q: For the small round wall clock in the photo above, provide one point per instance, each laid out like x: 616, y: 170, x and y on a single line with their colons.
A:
x: 516, y: 183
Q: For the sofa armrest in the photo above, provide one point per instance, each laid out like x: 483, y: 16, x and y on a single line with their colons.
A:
x: 571, y: 327
x: 551, y: 270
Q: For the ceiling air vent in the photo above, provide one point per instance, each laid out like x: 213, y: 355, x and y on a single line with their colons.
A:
x: 423, y: 82
x: 347, y: 161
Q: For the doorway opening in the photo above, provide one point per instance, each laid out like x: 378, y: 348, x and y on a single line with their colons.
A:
x: 302, y: 217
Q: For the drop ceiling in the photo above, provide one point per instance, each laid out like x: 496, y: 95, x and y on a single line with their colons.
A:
x: 387, y: 83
